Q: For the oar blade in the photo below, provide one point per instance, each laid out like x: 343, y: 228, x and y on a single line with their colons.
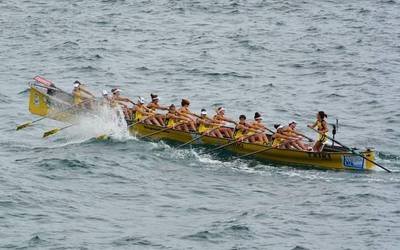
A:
x: 51, y: 132
x: 24, y: 125
x: 102, y: 137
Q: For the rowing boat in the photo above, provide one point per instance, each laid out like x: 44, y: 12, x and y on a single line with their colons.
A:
x: 337, y: 158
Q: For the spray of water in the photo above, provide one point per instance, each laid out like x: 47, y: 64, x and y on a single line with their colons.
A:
x: 106, y: 121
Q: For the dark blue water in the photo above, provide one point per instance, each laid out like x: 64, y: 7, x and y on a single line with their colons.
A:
x: 286, y: 59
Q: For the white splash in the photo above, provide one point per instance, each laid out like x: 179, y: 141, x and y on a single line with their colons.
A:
x: 106, y: 121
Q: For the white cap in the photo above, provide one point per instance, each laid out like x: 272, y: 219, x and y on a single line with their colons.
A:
x: 220, y: 109
x: 156, y: 98
x: 292, y: 121
x: 76, y: 85
x: 141, y: 99
x: 105, y: 92
x: 203, y: 112
x: 280, y: 126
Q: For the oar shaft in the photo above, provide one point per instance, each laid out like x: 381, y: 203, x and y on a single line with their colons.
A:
x: 230, y: 143
x: 256, y: 152
x: 197, y: 138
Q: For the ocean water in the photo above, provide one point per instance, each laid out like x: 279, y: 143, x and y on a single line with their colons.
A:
x: 286, y: 59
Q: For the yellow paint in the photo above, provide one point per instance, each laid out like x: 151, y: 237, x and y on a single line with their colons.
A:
x: 38, y: 104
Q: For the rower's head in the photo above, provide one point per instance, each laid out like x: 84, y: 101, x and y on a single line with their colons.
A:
x: 172, y: 108
x: 140, y: 101
x: 292, y: 124
x: 185, y: 103
x: 154, y: 98
x: 257, y: 117
x: 77, y: 84
x: 321, y: 115
x: 279, y: 128
x: 203, y: 112
x: 116, y: 91
x: 242, y: 119
x: 221, y: 111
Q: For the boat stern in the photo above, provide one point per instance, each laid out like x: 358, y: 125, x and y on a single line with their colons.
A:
x: 369, y: 153
x: 38, y: 103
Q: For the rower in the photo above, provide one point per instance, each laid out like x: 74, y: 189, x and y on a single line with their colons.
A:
x: 154, y: 105
x: 81, y: 94
x: 258, y: 125
x: 173, y: 119
x: 143, y: 113
x: 121, y: 101
x: 206, y: 126
x: 184, y: 112
x: 322, y: 127
x: 280, y: 140
x: 220, y: 119
x: 106, y: 101
x: 296, y: 137
x: 241, y: 129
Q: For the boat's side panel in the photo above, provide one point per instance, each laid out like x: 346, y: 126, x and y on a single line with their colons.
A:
x: 328, y: 160
x: 170, y: 134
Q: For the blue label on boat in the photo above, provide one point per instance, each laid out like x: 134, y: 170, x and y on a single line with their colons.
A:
x: 353, y: 161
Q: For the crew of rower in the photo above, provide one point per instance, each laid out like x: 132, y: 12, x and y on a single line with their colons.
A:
x: 285, y: 137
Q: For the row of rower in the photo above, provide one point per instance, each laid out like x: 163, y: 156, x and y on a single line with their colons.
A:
x: 285, y: 137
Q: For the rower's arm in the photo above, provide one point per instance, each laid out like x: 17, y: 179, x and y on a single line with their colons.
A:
x: 230, y: 120
x: 125, y: 99
x: 87, y: 92
x: 312, y: 125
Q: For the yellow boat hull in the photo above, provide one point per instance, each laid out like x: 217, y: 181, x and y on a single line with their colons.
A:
x: 41, y: 104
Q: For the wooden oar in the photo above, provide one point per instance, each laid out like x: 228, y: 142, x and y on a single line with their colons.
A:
x: 27, y: 124
x: 198, y: 137
x: 159, y: 131
x: 56, y: 130
x: 352, y: 151
x: 230, y: 143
